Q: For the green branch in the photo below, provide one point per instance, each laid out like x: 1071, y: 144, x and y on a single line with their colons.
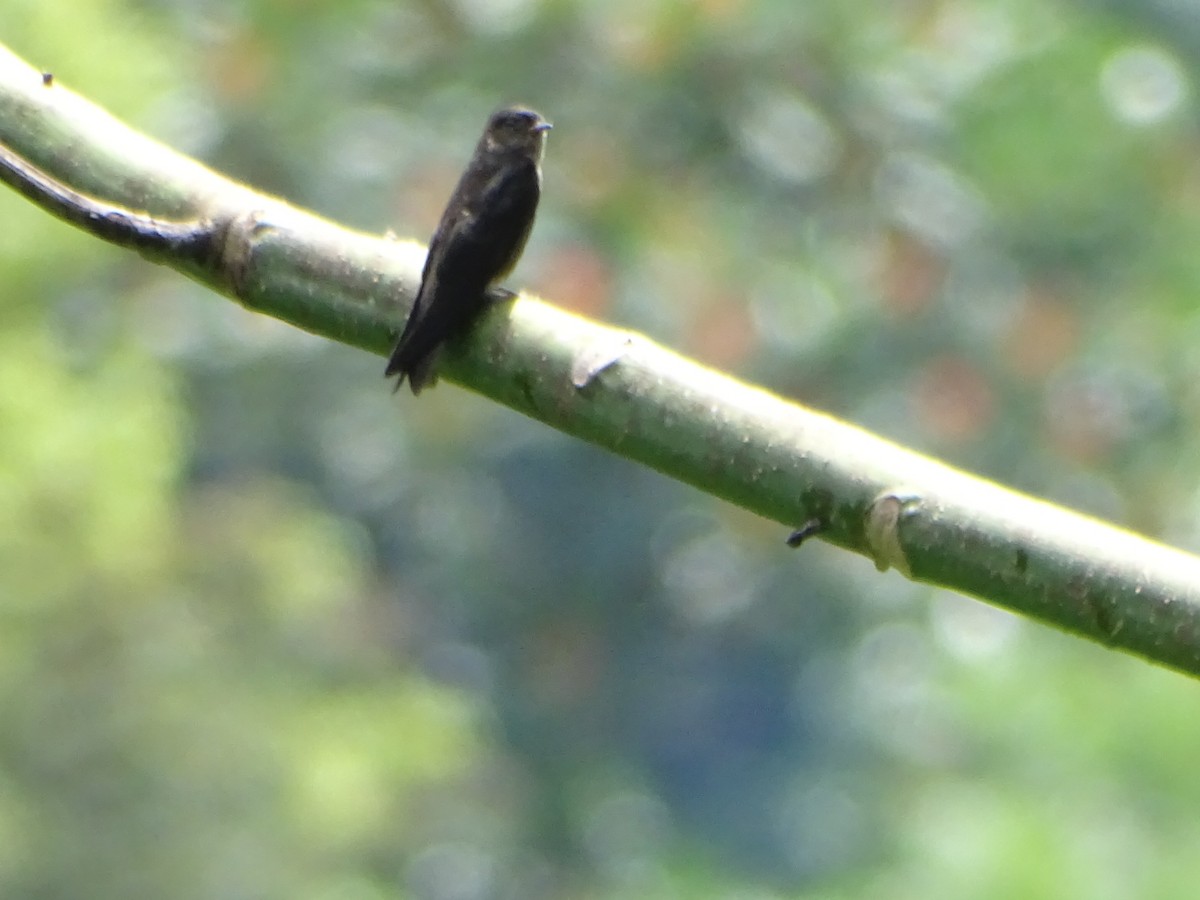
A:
x: 613, y: 388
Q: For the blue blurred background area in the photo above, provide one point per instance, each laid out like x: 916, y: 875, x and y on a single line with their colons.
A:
x: 271, y: 631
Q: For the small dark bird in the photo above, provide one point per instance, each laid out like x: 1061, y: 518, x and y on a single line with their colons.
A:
x: 477, y: 242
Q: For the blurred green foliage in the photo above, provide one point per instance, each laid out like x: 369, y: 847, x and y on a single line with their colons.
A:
x: 271, y: 631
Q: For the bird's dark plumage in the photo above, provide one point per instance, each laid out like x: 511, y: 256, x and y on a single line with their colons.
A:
x: 478, y: 241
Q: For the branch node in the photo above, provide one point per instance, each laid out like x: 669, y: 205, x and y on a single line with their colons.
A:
x: 235, y: 249
x: 886, y: 513
x: 598, y: 356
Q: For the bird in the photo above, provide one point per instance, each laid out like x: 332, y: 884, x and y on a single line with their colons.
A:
x: 478, y: 241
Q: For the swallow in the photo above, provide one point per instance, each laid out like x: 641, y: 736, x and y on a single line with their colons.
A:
x: 477, y: 242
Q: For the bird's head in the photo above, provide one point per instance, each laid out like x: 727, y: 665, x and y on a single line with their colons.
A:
x: 517, y: 128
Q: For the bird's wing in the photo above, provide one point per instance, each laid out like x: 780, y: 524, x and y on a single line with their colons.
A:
x: 476, y: 243
x: 489, y: 238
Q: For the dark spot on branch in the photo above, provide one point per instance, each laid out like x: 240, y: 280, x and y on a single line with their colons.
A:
x: 805, y: 531
x: 1103, y: 618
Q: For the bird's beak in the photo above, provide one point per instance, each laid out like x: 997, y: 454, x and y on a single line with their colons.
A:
x: 542, y: 126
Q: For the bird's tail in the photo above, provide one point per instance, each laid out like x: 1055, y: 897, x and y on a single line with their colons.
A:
x: 421, y: 373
